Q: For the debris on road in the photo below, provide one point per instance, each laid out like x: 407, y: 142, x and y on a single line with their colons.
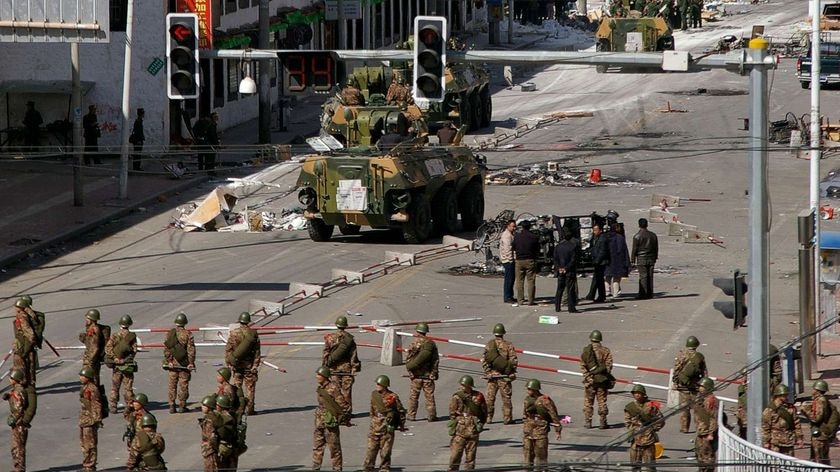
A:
x: 550, y: 174
x: 217, y: 212
x: 490, y: 268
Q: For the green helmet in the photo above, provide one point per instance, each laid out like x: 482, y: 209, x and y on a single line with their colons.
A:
x: 17, y: 375
x: 324, y: 371
x: 422, y: 327
x: 467, y: 381
x: 639, y: 388
x: 351, y: 80
x: 126, y: 321
x: 86, y: 372
x: 692, y: 342
x: 707, y: 383
x: 244, y: 317
x: 596, y: 336
x: 21, y: 303
x: 148, y: 420
x: 209, y: 401
x: 533, y: 384
x: 821, y: 386
x: 499, y: 329
x: 742, y: 389
x: 781, y: 390
x: 341, y: 322
x: 225, y: 373
x: 181, y: 319
x: 383, y: 380
x: 223, y: 401
x: 27, y: 299
x: 141, y: 398
x: 92, y: 314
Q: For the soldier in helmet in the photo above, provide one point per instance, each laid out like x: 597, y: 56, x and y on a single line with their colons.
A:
x: 242, y: 355
x: 119, y: 356
x: 386, y: 416
x: 468, y: 415
x: 705, y: 414
x: 351, y: 95
x: 823, y: 426
x: 209, y: 437
x: 333, y: 410
x: 234, y: 393
x: 539, y: 414
x: 398, y: 93
x: 689, y: 368
x: 179, y: 360
x: 18, y: 403
x: 38, y: 322
x: 133, y: 414
x: 340, y: 356
x: 94, y: 342
x: 596, y: 364
x: 741, y: 412
x: 780, y: 430
x: 422, y: 364
x: 226, y: 429
x: 24, y: 357
x: 90, y: 417
x: 499, y: 362
x: 146, y: 449
x: 643, y: 419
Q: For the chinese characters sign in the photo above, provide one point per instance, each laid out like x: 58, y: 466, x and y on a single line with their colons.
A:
x: 205, y: 19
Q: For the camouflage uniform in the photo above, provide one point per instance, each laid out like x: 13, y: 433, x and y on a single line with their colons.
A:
x: 328, y: 434
x: 468, y: 414
x: 818, y: 414
x: 643, y: 420
x: 144, y: 452
x: 538, y: 414
x: 705, y: 444
x: 93, y: 349
x: 741, y: 414
x: 20, y: 430
x: 340, y: 356
x: 777, y: 432
x: 500, y: 381
x: 398, y: 94
x: 209, y: 442
x: 245, y: 369
x: 90, y: 419
x: 25, y: 358
x: 179, y: 370
x: 386, y: 415
x: 226, y: 424
x: 352, y: 96
x: 689, y: 368
x: 422, y: 364
x: 123, y: 374
x: 596, y: 379
x: 237, y: 399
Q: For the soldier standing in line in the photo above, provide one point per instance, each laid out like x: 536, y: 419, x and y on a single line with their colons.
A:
x: 90, y: 418
x: 242, y: 355
x: 539, y: 414
x: 689, y: 368
x: 596, y: 364
x: 467, y: 416
x: 705, y: 413
x: 823, y: 420
x: 146, y: 449
x: 133, y: 414
x: 386, y: 416
x: 94, y: 342
x: 340, y: 356
x: 17, y: 399
x: 780, y: 430
x: 234, y: 393
x: 24, y: 356
x: 643, y: 419
x: 499, y: 362
x: 179, y: 360
x: 38, y: 321
x: 351, y: 95
x: 422, y: 364
x: 119, y: 356
x: 209, y: 437
x: 226, y: 429
x: 333, y: 410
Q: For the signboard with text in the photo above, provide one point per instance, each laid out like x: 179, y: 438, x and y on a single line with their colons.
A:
x: 352, y: 9
x: 204, y: 10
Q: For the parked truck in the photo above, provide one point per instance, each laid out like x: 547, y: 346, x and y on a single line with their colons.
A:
x: 829, y: 65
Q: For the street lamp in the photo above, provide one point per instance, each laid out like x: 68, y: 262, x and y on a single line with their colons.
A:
x: 247, y: 86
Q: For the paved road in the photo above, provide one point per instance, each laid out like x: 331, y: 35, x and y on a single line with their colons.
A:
x: 153, y: 272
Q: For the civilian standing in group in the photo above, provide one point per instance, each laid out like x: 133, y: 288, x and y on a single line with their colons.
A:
x: 619, y: 266
x: 643, y: 256
x: 526, y: 247
x: 600, y: 259
x: 566, y: 257
x: 506, y: 257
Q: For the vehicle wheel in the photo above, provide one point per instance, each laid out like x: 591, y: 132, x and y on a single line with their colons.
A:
x: 320, y: 231
x: 477, y: 110
x: 419, y: 224
x: 350, y: 230
x: 471, y: 204
x: 805, y: 85
x: 487, y: 108
x: 445, y: 211
x: 465, y: 112
x: 600, y: 69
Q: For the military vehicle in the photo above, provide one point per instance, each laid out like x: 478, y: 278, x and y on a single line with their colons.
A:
x: 642, y: 34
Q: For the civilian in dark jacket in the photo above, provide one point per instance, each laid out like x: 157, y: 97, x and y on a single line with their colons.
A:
x: 137, y: 138
x: 566, y: 257
x: 619, y: 266
x: 644, y: 254
x: 526, y: 248
x: 601, y: 258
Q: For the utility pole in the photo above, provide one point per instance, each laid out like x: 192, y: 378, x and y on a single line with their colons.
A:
x: 126, y: 102
x: 264, y: 77
x: 510, y: 21
x: 78, y: 149
x: 815, y: 154
x: 342, y: 25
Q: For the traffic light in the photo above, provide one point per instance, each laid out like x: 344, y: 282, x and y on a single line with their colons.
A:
x: 182, y: 55
x: 735, y: 287
x: 429, y: 58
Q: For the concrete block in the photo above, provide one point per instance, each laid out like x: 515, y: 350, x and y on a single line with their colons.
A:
x: 391, y: 345
x: 309, y: 290
x: 670, y: 200
x: 351, y: 277
x: 658, y: 216
x: 403, y: 258
x: 460, y: 243
x: 694, y: 236
x: 673, y: 394
x: 677, y: 228
x: 270, y: 308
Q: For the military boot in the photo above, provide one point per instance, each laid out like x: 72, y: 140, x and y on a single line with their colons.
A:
x: 604, y: 424
x: 172, y: 408
x: 587, y: 423
x: 183, y: 409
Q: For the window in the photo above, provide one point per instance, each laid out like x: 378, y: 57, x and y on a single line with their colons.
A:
x: 118, y: 12
x: 244, y: 3
x: 233, y: 80
x: 230, y: 6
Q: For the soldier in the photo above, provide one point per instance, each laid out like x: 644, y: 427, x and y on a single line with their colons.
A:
x: 38, y: 322
x: 741, y: 412
x: 234, y: 393
x: 398, y: 93
x: 422, y: 364
x: 780, y: 424
x: 94, y: 342
x: 133, y: 415
x: 179, y: 360
x: 596, y: 364
x: 467, y: 416
x: 643, y: 419
x: 226, y: 429
x: 24, y: 353
x: 351, y: 95
x: 90, y: 417
x: 539, y: 414
x: 499, y: 362
x: 340, y: 356
x: 242, y: 355
x: 17, y: 399
x: 386, y: 416
x: 209, y: 437
x: 689, y: 368
x: 823, y: 422
x: 775, y: 366
x: 705, y: 413
x: 333, y: 410
x: 119, y: 356
x: 146, y: 447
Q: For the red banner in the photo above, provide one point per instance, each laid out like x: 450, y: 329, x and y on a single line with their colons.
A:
x: 205, y: 19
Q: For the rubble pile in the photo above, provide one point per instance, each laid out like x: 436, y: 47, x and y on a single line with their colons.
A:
x: 552, y: 175
x: 489, y: 268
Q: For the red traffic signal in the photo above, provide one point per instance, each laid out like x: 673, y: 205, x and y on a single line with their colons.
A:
x: 182, y: 56
x: 181, y: 32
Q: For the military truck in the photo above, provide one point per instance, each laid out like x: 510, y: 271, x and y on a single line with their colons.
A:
x: 642, y: 34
